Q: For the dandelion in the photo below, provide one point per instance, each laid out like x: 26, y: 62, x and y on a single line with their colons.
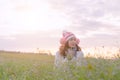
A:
x: 89, y: 67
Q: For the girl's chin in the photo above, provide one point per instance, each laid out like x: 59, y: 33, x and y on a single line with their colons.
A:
x: 72, y: 46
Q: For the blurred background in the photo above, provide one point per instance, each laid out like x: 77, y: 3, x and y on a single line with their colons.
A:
x: 37, y: 25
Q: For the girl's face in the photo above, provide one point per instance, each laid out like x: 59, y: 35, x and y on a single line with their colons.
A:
x: 72, y: 42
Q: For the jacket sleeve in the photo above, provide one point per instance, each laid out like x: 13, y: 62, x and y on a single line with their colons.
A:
x: 80, y: 54
x: 58, y: 59
x: 80, y: 58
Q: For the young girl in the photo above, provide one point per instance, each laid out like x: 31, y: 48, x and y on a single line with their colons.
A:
x: 69, y: 50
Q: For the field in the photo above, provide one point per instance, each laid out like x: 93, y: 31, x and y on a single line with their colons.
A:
x: 21, y: 66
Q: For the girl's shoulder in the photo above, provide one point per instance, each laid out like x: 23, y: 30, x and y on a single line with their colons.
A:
x: 80, y: 53
x: 57, y: 53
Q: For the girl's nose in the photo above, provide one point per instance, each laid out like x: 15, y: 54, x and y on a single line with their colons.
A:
x: 74, y: 41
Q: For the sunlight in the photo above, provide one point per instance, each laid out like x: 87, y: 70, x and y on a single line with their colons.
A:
x: 101, y: 52
x: 32, y: 16
x: 42, y: 17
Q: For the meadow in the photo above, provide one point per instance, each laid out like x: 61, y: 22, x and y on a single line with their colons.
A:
x: 28, y: 66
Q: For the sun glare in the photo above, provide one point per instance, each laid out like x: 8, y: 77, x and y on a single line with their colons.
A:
x: 42, y: 17
x: 32, y: 16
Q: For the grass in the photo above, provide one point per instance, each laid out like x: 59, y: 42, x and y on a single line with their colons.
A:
x: 16, y: 66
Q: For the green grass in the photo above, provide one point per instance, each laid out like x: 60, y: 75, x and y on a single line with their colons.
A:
x: 15, y: 66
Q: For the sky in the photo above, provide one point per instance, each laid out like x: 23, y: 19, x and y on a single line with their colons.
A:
x: 26, y: 25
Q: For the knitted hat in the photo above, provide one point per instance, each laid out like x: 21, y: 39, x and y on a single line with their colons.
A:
x: 66, y: 36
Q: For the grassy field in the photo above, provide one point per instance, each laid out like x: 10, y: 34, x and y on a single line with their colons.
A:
x: 19, y: 66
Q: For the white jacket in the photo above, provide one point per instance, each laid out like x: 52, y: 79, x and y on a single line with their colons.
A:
x: 60, y: 60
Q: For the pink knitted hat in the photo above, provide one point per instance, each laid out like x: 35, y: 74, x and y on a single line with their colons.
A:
x: 66, y: 36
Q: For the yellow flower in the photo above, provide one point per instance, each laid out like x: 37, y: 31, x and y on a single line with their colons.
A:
x: 89, y: 66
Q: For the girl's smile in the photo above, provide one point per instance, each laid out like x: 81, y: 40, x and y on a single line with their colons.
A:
x: 72, y: 42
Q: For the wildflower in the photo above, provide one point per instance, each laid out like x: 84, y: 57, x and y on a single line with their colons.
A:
x: 89, y: 66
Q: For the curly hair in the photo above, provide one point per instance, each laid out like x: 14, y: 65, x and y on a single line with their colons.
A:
x: 65, y: 47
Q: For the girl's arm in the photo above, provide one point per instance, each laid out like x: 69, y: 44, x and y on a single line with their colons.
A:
x: 80, y: 58
x: 58, y: 59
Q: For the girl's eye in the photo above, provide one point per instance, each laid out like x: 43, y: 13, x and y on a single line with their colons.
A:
x: 72, y: 39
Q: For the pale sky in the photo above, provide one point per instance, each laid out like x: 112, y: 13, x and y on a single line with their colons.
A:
x: 29, y: 24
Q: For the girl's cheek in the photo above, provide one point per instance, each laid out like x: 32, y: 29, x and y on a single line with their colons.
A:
x: 75, y: 42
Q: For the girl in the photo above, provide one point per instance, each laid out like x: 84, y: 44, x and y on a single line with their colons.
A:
x: 69, y: 50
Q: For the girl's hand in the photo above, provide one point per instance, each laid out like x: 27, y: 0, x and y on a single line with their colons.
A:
x: 70, y: 54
